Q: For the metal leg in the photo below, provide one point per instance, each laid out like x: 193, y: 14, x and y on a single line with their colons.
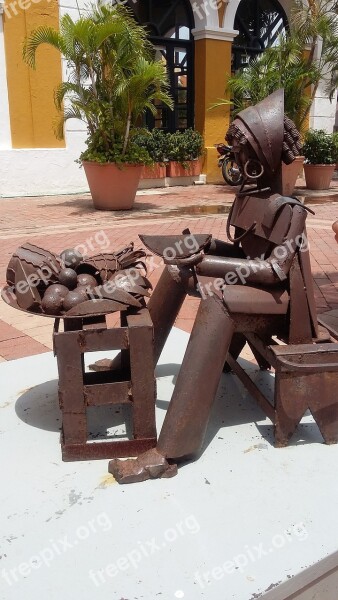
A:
x: 289, y: 410
x: 236, y: 347
x: 187, y: 418
x: 164, y: 306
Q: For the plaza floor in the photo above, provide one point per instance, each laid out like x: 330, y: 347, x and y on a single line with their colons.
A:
x: 61, y: 222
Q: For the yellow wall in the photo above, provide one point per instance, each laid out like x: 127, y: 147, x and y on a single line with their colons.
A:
x: 30, y: 92
x: 212, y: 64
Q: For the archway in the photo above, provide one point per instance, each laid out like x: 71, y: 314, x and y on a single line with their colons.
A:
x: 169, y: 24
x: 259, y: 23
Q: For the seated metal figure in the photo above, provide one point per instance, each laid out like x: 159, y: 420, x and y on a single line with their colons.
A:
x: 258, y: 282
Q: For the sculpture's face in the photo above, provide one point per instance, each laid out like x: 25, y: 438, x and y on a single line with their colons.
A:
x: 239, y: 139
x: 246, y: 159
x: 241, y: 152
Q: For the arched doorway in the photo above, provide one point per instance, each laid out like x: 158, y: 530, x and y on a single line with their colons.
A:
x: 259, y: 23
x: 169, y: 24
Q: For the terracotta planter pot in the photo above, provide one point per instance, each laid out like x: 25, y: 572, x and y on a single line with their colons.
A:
x: 318, y: 177
x: 175, y: 169
x: 156, y: 171
x: 111, y: 187
x: 290, y: 174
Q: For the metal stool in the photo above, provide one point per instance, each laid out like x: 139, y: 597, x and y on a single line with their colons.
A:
x: 133, y: 384
x: 306, y: 377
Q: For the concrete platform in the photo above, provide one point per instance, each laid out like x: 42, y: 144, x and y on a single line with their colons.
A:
x: 245, y: 521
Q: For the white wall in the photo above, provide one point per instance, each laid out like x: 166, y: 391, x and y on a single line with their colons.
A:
x: 323, y: 113
x: 42, y: 171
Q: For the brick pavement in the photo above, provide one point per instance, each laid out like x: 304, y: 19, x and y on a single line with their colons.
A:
x: 66, y: 221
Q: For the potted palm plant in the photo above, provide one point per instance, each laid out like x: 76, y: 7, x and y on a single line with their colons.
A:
x: 112, y: 81
x: 320, y: 152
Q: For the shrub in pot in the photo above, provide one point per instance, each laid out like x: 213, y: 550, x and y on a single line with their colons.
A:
x: 184, y: 150
x: 112, y: 81
x: 320, y: 152
x: 154, y: 142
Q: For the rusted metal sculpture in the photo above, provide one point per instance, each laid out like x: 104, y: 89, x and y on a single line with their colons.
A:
x: 80, y: 292
x: 255, y: 286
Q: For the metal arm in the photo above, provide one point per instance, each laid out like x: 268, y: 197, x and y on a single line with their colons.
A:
x: 270, y: 271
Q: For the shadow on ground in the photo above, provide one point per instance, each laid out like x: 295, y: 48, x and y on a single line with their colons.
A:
x: 39, y: 407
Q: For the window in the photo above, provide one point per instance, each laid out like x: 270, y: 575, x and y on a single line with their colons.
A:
x: 169, y: 24
x: 259, y: 23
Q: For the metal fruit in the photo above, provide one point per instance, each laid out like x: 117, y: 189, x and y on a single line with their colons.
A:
x: 74, y: 298
x: 86, y: 280
x: 71, y: 257
x: 68, y: 277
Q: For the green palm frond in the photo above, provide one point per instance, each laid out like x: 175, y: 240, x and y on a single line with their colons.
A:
x: 71, y: 113
x: 67, y: 33
x: 64, y: 89
x: 83, y: 35
x: 41, y: 35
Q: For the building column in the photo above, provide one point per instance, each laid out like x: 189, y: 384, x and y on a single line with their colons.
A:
x: 30, y: 93
x: 212, y: 67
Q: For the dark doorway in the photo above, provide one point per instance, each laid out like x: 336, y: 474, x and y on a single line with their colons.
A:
x: 259, y: 23
x: 169, y: 24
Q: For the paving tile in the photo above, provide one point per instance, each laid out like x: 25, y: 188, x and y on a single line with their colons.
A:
x: 21, y: 347
x: 7, y: 332
x: 45, y: 340
x: 36, y: 329
x: 184, y: 324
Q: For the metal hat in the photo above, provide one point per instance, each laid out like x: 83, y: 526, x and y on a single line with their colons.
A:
x: 263, y: 126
